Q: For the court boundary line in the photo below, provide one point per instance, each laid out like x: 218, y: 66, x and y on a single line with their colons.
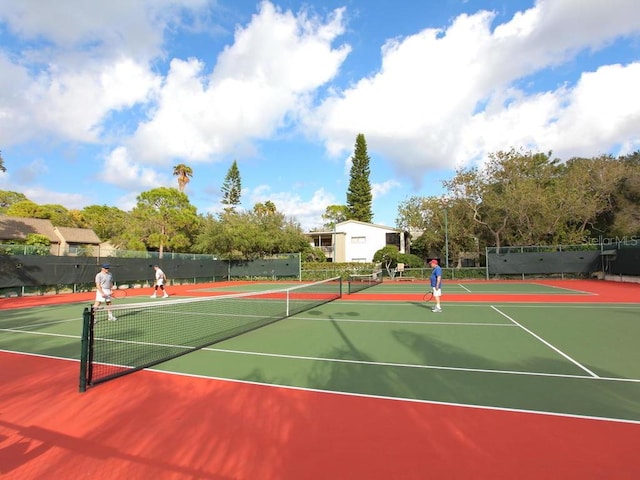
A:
x: 391, y: 364
x: 366, y: 395
x: 401, y: 322
x: 30, y: 332
x: 410, y: 400
x: 555, y: 349
x: 426, y: 367
x: 462, y: 303
x: 572, y: 290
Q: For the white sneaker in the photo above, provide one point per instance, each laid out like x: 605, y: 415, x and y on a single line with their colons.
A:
x: 112, y: 318
x: 436, y: 310
x: 165, y: 296
x: 153, y: 296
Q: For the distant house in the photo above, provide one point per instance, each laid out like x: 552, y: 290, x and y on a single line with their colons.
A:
x: 64, y: 240
x: 16, y: 230
x: 78, y: 241
x: 355, y: 241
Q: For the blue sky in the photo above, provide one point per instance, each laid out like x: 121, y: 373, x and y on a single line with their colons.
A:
x: 99, y: 100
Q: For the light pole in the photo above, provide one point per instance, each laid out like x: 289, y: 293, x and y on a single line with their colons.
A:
x: 446, y: 237
x: 444, y: 203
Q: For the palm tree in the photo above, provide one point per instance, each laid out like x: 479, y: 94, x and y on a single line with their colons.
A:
x: 183, y: 172
x: 265, y: 209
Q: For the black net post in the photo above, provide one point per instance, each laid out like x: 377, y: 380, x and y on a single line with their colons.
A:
x: 84, y: 353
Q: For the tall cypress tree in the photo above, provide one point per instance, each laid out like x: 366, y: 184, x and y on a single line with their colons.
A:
x: 359, y: 197
x: 232, y: 188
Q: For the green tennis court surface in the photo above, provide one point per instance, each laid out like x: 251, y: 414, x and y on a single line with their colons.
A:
x: 573, y: 359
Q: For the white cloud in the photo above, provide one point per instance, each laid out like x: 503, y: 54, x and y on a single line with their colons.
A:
x: 570, y: 121
x: 120, y: 170
x: 419, y: 112
x: 381, y: 189
x: 88, y: 61
x: 259, y: 82
x: 42, y: 196
x: 441, y: 98
x: 117, y: 24
x: 307, y: 213
x: 600, y: 111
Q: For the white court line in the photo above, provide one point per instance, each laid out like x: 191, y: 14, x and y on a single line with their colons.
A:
x: 397, y: 322
x: 403, y: 399
x: 365, y: 395
x: 547, y: 343
x: 463, y: 287
x: 44, y: 324
x: 415, y: 303
x: 46, y: 334
x: 572, y: 290
x: 423, y: 367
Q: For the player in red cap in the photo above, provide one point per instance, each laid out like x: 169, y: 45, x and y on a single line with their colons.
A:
x: 436, y: 284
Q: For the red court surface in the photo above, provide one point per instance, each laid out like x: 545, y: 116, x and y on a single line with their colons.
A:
x: 154, y: 425
x: 151, y: 425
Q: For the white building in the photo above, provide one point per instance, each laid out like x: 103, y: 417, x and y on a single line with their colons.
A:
x: 355, y: 241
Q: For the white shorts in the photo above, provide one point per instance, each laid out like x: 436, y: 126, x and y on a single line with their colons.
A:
x: 106, y: 298
x: 160, y: 282
x: 437, y: 292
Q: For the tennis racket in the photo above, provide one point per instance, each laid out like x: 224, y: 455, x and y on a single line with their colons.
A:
x: 117, y: 293
x: 428, y: 296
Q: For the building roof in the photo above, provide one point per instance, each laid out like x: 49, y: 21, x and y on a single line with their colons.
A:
x: 78, y: 235
x: 17, y: 228
x: 375, y: 225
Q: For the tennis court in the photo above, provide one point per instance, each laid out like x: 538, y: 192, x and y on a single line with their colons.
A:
x: 512, y: 379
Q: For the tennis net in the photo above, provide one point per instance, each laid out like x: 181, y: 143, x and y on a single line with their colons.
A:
x: 362, y: 281
x: 145, y: 334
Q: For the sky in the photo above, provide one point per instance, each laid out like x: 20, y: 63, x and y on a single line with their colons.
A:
x: 100, y: 100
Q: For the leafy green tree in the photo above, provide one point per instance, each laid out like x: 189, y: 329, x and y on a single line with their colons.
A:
x: 410, y: 260
x: 420, y: 247
x: 439, y: 225
x: 625, y: 220
x: 359, y: 196
x: 335, y: 214
x: 40, y: 242
x: 413, y: 214
x: 2, y: 167
x: 8, y: 198
x: 312, y: 254
x: 24, y: 208
x: 587, y: 193
x: 59, y: 215
x: 165, y: 219
x: 388, y: 256
x: 203, y: 242
x: 109, y: 223
x: 254, y: 234
x: 232, y: 188
x: 130, y: 240
x: 184, y: 173
x: 508, y: 197
x: 265, y: 209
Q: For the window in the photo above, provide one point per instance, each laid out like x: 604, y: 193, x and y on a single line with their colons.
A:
x: 393, y: 239
x: 358, y: 239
